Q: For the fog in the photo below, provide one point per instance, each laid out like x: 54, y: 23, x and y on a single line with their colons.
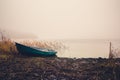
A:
x: 61, y: 19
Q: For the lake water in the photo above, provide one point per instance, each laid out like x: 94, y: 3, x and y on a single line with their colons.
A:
x: 88, y: 48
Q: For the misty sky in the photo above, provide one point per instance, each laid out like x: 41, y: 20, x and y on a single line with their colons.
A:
x: 61, y: 19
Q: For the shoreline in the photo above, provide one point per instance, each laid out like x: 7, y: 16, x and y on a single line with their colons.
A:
x: 57, y: 68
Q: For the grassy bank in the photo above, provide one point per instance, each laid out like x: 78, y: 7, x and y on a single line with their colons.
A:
x: 8, y: 47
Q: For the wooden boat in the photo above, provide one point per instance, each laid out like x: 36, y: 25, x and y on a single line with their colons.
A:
x: 33, y: 51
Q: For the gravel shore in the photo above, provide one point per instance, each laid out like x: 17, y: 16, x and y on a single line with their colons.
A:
x: 55, y: 68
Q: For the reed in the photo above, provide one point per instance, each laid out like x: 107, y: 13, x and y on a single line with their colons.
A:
x: 7, y: 46
x: 56, y: 45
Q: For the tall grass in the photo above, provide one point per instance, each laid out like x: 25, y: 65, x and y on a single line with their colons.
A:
x: 114, y: 51
x: 55, y: 45
x: 7, y: 46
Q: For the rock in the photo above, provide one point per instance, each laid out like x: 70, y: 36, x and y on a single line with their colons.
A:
x: 53, y: 76
x: 63, y: 79
x: 12, y: 74
x: 36, y: 74
x: 58, y: 60
x: 64, y: 61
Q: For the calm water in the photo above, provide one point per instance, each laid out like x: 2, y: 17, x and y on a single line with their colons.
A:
x: 87, y: 48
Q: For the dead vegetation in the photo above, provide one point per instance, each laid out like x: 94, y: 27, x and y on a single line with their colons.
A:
x: 7, y: 46
x: 53, y: 68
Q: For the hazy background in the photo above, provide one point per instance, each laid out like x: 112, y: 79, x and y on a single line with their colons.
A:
x: 61, y: 19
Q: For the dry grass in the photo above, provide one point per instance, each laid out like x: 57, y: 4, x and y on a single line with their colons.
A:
x: 7, y: 46
x: 55, y: 45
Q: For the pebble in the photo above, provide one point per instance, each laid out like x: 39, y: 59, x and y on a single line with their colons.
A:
x: 35, y: 74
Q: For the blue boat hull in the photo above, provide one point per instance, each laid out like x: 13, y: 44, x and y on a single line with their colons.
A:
x: 29, y: 51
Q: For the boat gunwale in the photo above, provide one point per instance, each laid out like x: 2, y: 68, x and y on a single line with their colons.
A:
x: 39, y: 52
